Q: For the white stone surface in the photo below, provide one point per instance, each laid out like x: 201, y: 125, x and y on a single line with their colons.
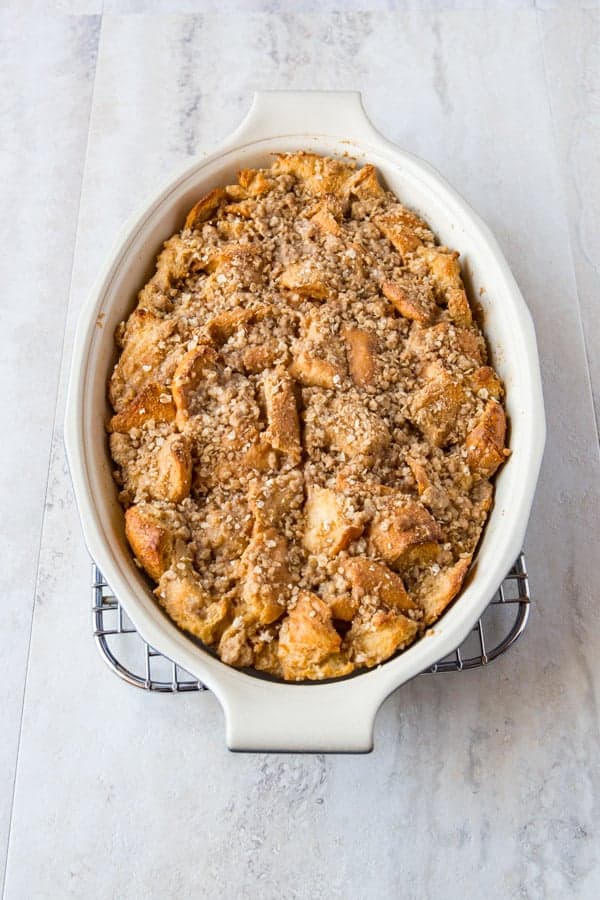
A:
x: 44, y: 114
x: 483, y: 783
x: 572, y: 45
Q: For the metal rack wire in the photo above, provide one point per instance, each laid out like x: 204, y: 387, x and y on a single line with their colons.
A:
x: 136, y: 662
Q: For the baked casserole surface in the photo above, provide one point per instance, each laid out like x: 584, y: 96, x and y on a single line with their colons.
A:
x: 305, y: 422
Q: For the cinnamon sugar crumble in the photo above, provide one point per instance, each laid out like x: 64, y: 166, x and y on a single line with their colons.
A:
x: 306, y: 423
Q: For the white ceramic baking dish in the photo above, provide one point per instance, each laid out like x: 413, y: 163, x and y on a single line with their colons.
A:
x: 263, y: 714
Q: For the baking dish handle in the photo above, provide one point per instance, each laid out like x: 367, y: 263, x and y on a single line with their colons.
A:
x: 263, y: 716
x: 333, y: 113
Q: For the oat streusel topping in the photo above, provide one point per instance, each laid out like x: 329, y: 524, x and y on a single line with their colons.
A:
x: 305, y: 422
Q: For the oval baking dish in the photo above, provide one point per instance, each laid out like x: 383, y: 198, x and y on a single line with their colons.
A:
x: 263, y: 714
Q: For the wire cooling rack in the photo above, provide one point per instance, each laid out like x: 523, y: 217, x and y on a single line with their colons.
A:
x: 136, y: 662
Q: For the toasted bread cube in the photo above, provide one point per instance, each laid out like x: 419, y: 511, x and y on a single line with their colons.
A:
x: 266, y: 578
x: 174, y: 469
x: 255, y: 182
x: 283, y: 432
x: 403, y: 533
x: 190, y: 606
x: 309, y: 645
x: 437, y: 591
x: 318, y: 175
x: 257, y: 358
x: 312, y: 371
x: 220, y: 328
x: 403, y: 228
x: 258, y: 457
x: 204, y: 208
x: 486, y: 384
x: 223, y: 326
x: 236, y: 267
x: 236, y: 192
x: 175, y: 262
x: 364, y: 183
x: 154, y: 402
x: 459, y: 307
x: 352, y: 479
x: 343, y: 606
x: 271, y: 499
x: 411, y: 300
x: 189, y: 373
x: 305, y: 278
x: 326, y: 215
x: 144, y: 349
x: 150, y: 537
x: 230, y: 230
x: 465, y: 342
x: 319, y: 358
x: 244, y: 208
x: 485, y: 443
x: 444, y: 270
x: 372, y: 642
x: 436, y: 407
x: 329, y: 528
x: 444, y: 267
x: 368, y: 577
x: 361, y: 347
x: 356, y: 431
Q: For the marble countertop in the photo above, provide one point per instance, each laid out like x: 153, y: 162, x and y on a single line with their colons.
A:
x: 488, y: 782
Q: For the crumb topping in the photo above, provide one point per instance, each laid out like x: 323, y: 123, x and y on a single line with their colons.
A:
x: 305, y: 422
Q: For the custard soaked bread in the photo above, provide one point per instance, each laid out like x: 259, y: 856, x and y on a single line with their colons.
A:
x: 305, y: 422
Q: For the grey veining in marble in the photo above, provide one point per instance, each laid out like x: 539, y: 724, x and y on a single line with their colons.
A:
x: 485, y: 783
x: 44, y: 114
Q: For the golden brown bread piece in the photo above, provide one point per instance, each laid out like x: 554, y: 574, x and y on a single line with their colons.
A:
x: 318, y: 174
x: 329, y: 527
x: 403, y: 228
x: 189, y: 373
x: 255, y: 182
x: 305, y: 278
x: 486, y: 383
x: 190, y: 606
x: 364, y: 183
x: 146, y: 355
x: 461, y: 345
x: 327, y: 215
x: 438, y: 590
x: 376, y: 639
x: 204, y: 208
x: 361, y: 347
x: 174, y: 469
x: 265, y: 575
x: 271, y: 499
x: 444, y: 270
x: 368, y: 577
x: 154, y: 402
x: 283, y: 431
x: 309, y: 645
x: 411, y: 301
x: 355, y: 431
x: 485, y: 443
x: 151, y: 538
x: 313, y: 371
x: 403, y: 533
x: 436, y: 407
